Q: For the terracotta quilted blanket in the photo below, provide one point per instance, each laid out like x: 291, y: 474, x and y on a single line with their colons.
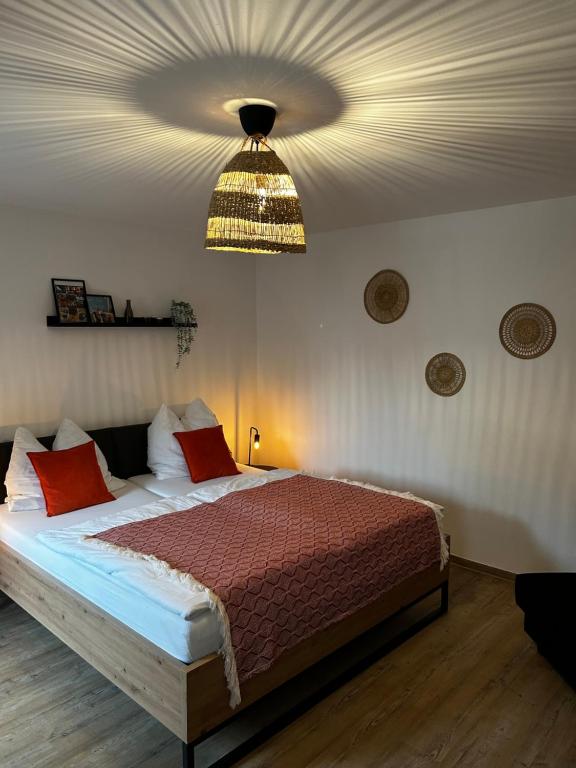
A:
x: 289, y: 558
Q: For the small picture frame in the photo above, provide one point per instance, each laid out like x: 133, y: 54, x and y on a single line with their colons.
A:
x: 70, y: 300
x: 101, y: 309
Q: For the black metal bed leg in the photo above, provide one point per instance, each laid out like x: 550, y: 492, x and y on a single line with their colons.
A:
x: 444, y: 597
x: 187, y: 755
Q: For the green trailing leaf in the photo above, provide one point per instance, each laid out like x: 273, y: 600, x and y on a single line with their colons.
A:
x: 184, y: 320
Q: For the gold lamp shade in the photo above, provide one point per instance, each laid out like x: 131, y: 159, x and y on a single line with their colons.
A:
x: 255, y: 206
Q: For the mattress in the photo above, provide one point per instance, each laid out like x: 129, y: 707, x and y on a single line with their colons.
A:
x: 187, y: 639
x: 182, y: 486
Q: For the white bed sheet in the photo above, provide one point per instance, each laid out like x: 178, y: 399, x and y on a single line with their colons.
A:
x: 182, y: 486
x: 186, y: 639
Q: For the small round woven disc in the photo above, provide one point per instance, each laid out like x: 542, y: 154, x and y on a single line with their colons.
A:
x: 527, y: 330
x: 445, y: 374
x: 386, y: 296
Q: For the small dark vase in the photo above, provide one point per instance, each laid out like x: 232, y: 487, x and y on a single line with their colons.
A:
x: 128, y: 312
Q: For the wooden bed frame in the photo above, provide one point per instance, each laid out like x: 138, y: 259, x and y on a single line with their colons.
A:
x: 189, y: 699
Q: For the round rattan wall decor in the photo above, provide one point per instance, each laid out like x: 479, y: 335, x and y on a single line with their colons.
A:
x: 445, y: 374
x: 527, y: 330
x: 386, y: 296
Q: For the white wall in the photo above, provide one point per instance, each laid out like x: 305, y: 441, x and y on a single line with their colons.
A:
x: 117, y: 376
x: 336, y: 391
x: 340, y: 393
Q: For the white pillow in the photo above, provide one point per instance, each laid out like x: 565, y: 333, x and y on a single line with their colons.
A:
x: 70, y: 435
x: 22, y: 484
x: 199, y: 416
x: 165, y: 457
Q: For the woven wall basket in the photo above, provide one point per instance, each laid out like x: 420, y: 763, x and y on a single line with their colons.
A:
x: 527, y: 330
x: 386, y: 296
x: 445, y: 374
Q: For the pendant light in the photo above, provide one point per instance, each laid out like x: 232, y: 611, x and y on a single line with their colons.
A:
x: 255, y: 206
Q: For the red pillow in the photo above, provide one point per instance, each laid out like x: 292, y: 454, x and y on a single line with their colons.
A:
x: 207, y: 454
x: 70, y: 479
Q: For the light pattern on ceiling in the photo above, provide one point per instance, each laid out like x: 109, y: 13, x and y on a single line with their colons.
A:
x: 387, y: 109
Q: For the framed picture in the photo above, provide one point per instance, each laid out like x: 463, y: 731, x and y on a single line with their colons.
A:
x: 101, y: 309
x: 70, y: 300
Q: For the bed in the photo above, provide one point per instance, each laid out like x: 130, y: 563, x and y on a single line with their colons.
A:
x: 169, y: 665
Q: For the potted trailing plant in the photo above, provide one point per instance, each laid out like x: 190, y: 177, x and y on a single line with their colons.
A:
x: 184, y: 320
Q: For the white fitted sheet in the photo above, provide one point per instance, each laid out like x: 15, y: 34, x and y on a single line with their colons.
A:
x: 186, y: 638
x: 182, y: 486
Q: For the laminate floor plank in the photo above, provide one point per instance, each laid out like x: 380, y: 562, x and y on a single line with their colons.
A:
x: 469, y: 691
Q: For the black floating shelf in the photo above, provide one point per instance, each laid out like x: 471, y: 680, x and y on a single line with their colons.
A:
x: 52, y: 321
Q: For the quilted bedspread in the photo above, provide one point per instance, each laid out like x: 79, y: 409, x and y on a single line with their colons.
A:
x: 286, y: 559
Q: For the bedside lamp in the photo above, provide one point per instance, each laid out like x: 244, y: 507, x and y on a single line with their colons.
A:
x: 255, y: 443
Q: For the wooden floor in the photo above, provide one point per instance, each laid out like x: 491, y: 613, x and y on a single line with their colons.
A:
x: 468, y: 691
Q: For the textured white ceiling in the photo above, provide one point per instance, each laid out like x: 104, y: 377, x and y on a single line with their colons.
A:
x: 389, y: 109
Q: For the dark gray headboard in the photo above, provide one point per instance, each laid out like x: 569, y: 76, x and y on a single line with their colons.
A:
x: 125, y: 448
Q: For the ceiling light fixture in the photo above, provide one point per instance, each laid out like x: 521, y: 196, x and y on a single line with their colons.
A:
x: 255, y: 206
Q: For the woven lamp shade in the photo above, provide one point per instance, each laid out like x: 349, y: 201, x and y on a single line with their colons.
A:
x: 255, y: 207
